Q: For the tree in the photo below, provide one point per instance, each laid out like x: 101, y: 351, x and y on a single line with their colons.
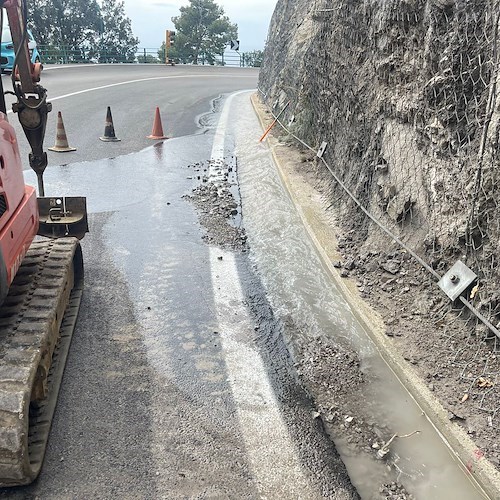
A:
x: 82, y: 29
x: 39, y: 21
x: 203, y: 31
x: 253, y: 59
x: 68, y: 23
x: 173, y: 53
x: 116, y: 42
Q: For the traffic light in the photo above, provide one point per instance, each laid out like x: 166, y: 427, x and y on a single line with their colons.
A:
x: 170, y: 38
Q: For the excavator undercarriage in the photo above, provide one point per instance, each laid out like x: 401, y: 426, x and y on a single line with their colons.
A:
x: 36, y: 325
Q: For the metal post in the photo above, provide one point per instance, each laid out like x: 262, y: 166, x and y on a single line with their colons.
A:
x: 145, y: 60
x: 41, y: 188
x: 166, y: 47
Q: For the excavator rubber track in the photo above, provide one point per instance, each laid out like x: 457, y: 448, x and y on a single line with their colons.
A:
x: 36, y: 326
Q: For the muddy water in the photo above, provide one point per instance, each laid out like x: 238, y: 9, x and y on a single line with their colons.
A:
x: 299, y: 287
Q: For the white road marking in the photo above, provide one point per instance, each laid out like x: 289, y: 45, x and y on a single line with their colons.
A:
x: 271, y: 451
x: 139, y: 80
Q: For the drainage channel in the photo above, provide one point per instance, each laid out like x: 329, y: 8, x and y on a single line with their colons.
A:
x: 301, y: 290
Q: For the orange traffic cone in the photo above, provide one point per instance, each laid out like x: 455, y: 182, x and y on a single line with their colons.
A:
x: 109, y: 129
x: 61, y: 145
x: 157, y: 132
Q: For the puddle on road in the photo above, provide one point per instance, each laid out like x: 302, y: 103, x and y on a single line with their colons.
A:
x: 299, y: 287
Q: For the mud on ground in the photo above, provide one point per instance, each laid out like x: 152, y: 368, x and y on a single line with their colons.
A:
x: 436, y: 338
x: 329, y: 372
x: 432, y: 335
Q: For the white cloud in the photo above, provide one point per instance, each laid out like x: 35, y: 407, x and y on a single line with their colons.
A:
x: 151, y: 18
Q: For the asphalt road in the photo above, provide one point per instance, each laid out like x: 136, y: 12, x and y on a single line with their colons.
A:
x: 82, y: 94
x: 179, y: 383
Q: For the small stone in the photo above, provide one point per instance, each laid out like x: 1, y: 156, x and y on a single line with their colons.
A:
x: 391, y: 266
x: 349, y: 265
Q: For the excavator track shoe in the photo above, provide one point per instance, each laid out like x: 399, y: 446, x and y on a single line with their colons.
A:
x: 36, y: 326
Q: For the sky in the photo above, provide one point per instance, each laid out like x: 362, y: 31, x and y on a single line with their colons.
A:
x: 150, y: 19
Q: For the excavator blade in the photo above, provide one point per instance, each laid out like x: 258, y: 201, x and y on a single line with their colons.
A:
x: 63, y: 216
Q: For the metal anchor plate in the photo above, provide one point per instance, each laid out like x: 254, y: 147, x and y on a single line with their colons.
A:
x: 457, y: 280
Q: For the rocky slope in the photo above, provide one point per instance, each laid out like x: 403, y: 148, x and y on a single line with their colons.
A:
x: 404, y: 93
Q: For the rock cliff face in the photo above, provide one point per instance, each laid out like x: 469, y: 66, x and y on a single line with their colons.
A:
x: 405, y: 94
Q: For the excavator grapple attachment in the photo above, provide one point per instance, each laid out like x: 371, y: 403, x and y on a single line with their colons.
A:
x: 63, y: 216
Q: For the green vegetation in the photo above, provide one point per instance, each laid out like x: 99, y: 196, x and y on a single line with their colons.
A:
x: 81, y: 30
x: 202, y: 32
x: 253, y: 59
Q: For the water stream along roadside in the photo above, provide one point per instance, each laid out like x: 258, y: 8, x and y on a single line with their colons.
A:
x: 303, y: 295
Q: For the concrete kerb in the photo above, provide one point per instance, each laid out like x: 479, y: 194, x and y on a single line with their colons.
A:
x: 460, y: 445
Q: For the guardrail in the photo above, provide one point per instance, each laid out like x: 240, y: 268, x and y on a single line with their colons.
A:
x: 67, y: 55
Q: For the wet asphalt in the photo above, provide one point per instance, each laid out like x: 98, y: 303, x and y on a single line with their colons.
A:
x: 82, y: 94
x: 150, y: 405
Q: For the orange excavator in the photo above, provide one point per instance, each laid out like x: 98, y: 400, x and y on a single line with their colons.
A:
x: 41, y: 272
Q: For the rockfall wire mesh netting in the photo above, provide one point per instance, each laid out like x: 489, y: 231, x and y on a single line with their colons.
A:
x: 406, y: 94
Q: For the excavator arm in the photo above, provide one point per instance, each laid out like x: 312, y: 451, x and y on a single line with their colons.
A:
x: 41, y: 279
x: 59, y: 216
x: 32, y: 106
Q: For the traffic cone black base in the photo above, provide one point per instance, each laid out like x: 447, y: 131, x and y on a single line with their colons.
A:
x: 109, y: 129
